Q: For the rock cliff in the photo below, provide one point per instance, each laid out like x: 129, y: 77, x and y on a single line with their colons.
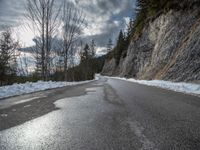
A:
x: 168, y: 49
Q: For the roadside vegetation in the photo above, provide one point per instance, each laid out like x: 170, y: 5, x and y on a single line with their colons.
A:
x: 63, y: 58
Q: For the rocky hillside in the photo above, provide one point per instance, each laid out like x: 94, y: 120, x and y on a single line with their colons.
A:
x: 167, y: 49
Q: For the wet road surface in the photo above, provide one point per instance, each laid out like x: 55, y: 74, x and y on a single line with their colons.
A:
x: 108, y: 114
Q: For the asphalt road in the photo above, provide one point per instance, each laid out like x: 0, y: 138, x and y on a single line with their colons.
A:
x: 108, y: 114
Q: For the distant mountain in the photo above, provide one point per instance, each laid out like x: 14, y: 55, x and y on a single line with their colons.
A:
x: 56, y: 46
x: 27, y: 49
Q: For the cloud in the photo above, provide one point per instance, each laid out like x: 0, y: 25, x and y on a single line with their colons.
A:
x: 104, y: 17
x: 10, y: 12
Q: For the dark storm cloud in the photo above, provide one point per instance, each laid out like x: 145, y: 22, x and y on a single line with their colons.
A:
x: 110, y: 14
x: 105, y: 17
x: 107, y: 6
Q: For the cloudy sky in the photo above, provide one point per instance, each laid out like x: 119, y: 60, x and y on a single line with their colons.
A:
x: 104, y: 17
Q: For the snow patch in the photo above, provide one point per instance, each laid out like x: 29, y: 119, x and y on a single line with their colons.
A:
x: 183, y: 87
x: 29, y: 87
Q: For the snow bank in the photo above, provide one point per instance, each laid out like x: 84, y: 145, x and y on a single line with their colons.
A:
x: 29, y: 87
x: 183, y: 87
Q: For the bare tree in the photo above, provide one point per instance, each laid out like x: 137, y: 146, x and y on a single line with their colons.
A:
x: 73, y: 20
x: 44, y: 17
x: 23, y: 64
x: 37, y: 55
x: 73, y: 57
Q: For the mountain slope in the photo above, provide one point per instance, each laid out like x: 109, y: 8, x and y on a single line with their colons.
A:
x: 168, y: 49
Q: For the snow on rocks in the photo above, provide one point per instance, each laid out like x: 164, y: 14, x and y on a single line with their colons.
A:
x: 183, y: 87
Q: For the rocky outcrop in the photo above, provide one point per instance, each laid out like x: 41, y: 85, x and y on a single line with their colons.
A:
x: 168, y: 49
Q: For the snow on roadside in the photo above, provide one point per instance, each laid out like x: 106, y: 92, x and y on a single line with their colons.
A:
x: 183, y: 87
x: 29, y: 87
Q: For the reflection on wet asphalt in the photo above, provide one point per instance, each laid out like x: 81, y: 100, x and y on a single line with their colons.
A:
x: 103, y: 115
x: 84, y: 122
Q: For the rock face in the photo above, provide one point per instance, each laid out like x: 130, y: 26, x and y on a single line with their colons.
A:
x: 168, y: 49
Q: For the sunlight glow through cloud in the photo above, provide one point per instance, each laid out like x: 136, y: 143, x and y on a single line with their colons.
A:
x: 104, y: 18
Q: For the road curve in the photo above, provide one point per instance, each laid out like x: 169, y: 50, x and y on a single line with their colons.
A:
x: 107, y: 114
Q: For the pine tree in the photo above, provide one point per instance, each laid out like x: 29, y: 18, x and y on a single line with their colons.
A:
x: 85, y: 54
x: 130, y: 29
x: 129, y: 32
x: 121, y: 46
x: 109, y: 45
x: 92, y: 51
x: 87, y: 62
x: 7, y: 55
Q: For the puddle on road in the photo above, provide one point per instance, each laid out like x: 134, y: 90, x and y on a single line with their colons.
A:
x: 58, y: 128
x: 83, y: 122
